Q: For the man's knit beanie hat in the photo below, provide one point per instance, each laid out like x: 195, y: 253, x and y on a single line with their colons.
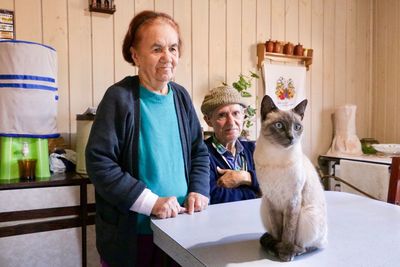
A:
x: 222, y: 95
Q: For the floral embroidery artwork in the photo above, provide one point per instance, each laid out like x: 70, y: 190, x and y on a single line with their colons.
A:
x: 285, y: 89
x: 285, y: 84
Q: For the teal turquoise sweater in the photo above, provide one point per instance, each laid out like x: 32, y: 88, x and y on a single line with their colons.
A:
x: 161, y: 165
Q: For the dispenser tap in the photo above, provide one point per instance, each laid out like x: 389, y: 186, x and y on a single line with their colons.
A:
x: 25, y: 149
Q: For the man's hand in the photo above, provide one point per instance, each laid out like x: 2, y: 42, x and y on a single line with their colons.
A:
x: 196, y: 202
x: 233, y: 179
x: 167, y: 207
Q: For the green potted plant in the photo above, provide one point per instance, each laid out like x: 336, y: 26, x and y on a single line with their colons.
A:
x: 242, y: 85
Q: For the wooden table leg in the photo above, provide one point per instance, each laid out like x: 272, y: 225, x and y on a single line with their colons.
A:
x: 83, y: 199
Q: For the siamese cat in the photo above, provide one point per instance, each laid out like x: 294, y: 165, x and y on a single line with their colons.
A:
x: 293, y: 207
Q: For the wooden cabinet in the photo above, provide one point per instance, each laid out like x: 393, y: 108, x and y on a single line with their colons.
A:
x: 29, y: 221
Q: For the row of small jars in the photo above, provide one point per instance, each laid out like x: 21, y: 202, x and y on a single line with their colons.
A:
x: 287, y: 48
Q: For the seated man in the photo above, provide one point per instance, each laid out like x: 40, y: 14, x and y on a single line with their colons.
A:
x: 232, y: 171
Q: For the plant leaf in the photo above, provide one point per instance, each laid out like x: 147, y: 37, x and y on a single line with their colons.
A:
x: 251, y: 111
x: 237, y: 86
x: 246, y: 94
x: 254, y: 75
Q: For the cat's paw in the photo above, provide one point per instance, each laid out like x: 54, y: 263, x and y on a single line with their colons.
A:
x: 269, y: 244
x: 299, y: 250
x: 286, y: 251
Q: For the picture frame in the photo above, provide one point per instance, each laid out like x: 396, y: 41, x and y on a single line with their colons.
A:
x: 7, y: 24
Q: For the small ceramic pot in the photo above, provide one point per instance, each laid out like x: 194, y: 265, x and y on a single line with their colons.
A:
x: 288, y: 49
x: 269, y: 46
x: 298, y: 50
x: 278, y: 48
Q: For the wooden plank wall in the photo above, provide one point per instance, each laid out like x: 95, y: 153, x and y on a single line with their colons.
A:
x: 220, y: 38
x: 386, y: 68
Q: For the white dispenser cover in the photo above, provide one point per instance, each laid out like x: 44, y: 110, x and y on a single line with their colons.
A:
x: 28, y: 90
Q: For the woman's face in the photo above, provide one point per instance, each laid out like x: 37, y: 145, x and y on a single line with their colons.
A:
x: 156, y: 54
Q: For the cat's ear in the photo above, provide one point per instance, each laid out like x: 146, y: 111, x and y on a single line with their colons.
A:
x: 301, y: 108
x: 267, y: 105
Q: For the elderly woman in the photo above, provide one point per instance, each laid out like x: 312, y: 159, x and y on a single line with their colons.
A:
x: 141, y: 121
x: 232, y: 170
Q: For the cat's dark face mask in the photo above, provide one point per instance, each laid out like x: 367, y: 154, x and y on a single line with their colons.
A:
x: 281, y: 127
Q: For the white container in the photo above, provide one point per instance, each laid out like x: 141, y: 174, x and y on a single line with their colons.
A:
x: 28, y: 90
x: 84, y: 124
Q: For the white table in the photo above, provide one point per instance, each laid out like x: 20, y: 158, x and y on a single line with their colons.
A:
x: 376, y: 158
x: 362, y: 232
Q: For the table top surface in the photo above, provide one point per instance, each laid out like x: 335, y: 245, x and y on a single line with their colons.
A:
x: 362, y: 232
x: 377, y: 158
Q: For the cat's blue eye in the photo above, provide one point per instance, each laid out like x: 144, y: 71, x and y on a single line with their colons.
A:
x: 297, y: 127
x: 279, y: 125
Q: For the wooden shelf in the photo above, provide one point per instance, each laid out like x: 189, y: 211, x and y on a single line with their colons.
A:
x: 109, y: 10
x: 262, y: 55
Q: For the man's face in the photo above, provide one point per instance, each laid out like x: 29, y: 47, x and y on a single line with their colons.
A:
x: 227, y: 122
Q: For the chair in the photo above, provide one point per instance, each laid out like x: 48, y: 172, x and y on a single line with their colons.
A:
x: 394, y: 182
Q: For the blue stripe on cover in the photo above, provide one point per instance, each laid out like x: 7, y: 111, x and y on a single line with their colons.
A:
x: 25, y: 77
x: 31, y: 135
x: 28, y: 86
x: 26, y: 42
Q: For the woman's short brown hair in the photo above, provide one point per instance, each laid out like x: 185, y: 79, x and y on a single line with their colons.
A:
x: 145, y: 18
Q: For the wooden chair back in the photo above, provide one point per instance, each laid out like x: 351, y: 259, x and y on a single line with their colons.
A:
x: 394, y: 182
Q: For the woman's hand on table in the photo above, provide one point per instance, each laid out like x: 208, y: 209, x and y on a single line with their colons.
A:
x: 196, y: 202
x: 167, y: 207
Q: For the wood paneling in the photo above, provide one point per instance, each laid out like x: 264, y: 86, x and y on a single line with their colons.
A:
x: 7, y: 4
x: 328, y: 91
x: 249, y: 48
x: 80, y: 62
x: 183, y: 15
x: 103, y: 54
x: 316, y: 79
x: 340, y: 52
x: 126, y: 10
x: 141, y: 5
x: 263, y: 28
x: 304, y: 29
x: 233, y: 40
x: 363, y: 86
x: 55, y: 34
x: 200, y: 52
x: 28, y: 20
x: 385, y: 71
x: 166, y: 6
x: 220, y: 38
x: 217, y: 43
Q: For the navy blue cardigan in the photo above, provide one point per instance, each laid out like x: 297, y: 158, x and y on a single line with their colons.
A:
x: 220, y: 194
x: 112, y: 159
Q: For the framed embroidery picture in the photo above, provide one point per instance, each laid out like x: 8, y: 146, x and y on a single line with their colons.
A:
x: 7, y: 28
